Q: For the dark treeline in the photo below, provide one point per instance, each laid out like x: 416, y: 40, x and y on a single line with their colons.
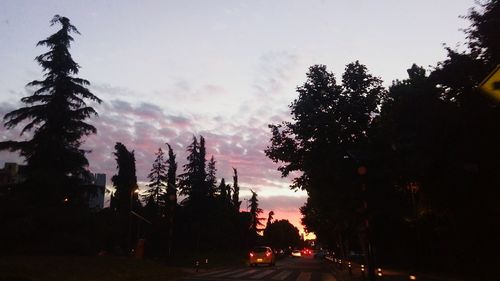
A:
x: 410, y: 171
x: 207, y: 218
x: 47, y: 212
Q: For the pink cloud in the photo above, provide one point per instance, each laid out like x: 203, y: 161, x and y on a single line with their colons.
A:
x: 144, y: 127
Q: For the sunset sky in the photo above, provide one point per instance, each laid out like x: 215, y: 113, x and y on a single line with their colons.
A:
x: 168, y: 70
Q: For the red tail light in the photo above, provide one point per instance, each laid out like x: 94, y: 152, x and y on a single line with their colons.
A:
x: 251, y: 255
x: 268, y: 254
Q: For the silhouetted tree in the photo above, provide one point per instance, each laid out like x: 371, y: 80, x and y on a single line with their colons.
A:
x: 255, y: 212
x: 202, y: 171
x: 482, y: 34
x: 236, y: 191
x: 222, y: 190
x: 125, y: 181
x: 125, y: 197
x: 56, y: 113
x: 281, y: 234
x: 330, y: 122
x: 171, y: 176
x: 211, y: 177
x: 269, y: 218
x: 193, y: 181
x: 157, y: 186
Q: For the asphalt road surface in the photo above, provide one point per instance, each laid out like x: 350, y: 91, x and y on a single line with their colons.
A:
x: 287, y: 269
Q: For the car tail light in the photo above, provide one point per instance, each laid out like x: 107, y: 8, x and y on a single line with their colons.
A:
x: 251, y: 255
x: 268, y: 254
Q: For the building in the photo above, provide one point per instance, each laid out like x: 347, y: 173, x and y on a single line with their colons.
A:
x: 93, y: 191
x: 12, y: 173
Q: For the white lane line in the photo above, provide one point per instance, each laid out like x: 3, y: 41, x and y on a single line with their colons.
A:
x: 282, y: 275
x: 304, y: 276
x: 244, y: 273
x: 211, y: 272
x: 263, y: 273
x: 229, y: 272
x: 328, y: 277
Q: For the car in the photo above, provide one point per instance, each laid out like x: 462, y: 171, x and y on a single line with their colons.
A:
x: 261, y: 255
x: 296, y: 253
x: 306, y: 252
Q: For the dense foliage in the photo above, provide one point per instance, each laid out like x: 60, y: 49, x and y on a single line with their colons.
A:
x: 409, y: 171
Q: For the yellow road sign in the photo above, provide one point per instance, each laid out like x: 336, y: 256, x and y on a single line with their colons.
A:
x: 491, y: 84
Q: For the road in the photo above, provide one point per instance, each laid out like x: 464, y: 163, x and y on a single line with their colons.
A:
x: 287, y: 269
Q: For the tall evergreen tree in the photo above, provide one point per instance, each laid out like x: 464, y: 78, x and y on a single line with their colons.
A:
x: 193, y: 182
x: 125, y: 197
x: 229, y: 195
x: 56, y: 114
x: 157, y: 185
x: 255, y: 212
x: 171, y: 175
x: 222, y: 190
x: 236, y: 191
x: 188, y: 181
x: 211, y: 177
x: 202, y: 172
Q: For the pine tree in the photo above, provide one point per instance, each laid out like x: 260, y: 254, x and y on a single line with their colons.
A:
x: 255, y: 211
x: 56, y: 114
x: 211, y: 177
x: 188, y: 179
x: 202, y: 174
x: 157, y: 176
x: 236, y: 191
x: 193, y: 181
x: 171, y: 175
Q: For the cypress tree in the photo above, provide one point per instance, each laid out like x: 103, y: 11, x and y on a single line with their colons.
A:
x: 236, y: 191
x: 211, y: 177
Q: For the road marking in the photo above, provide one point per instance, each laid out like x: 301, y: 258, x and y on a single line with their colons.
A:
x: 328, y: 277
x: 281, y: 276
x: 211, y: 272
x: 263, y: 273
x: 229, y: 272
x: 247, y: 272
x: 304, y: 276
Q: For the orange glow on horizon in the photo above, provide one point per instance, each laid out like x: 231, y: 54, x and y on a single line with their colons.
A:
x: 293, y: 216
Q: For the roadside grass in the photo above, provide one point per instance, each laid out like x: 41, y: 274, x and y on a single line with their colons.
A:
x: 77, y: 268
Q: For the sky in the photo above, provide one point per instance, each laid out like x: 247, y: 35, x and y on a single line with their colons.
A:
x: 224, y: 69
